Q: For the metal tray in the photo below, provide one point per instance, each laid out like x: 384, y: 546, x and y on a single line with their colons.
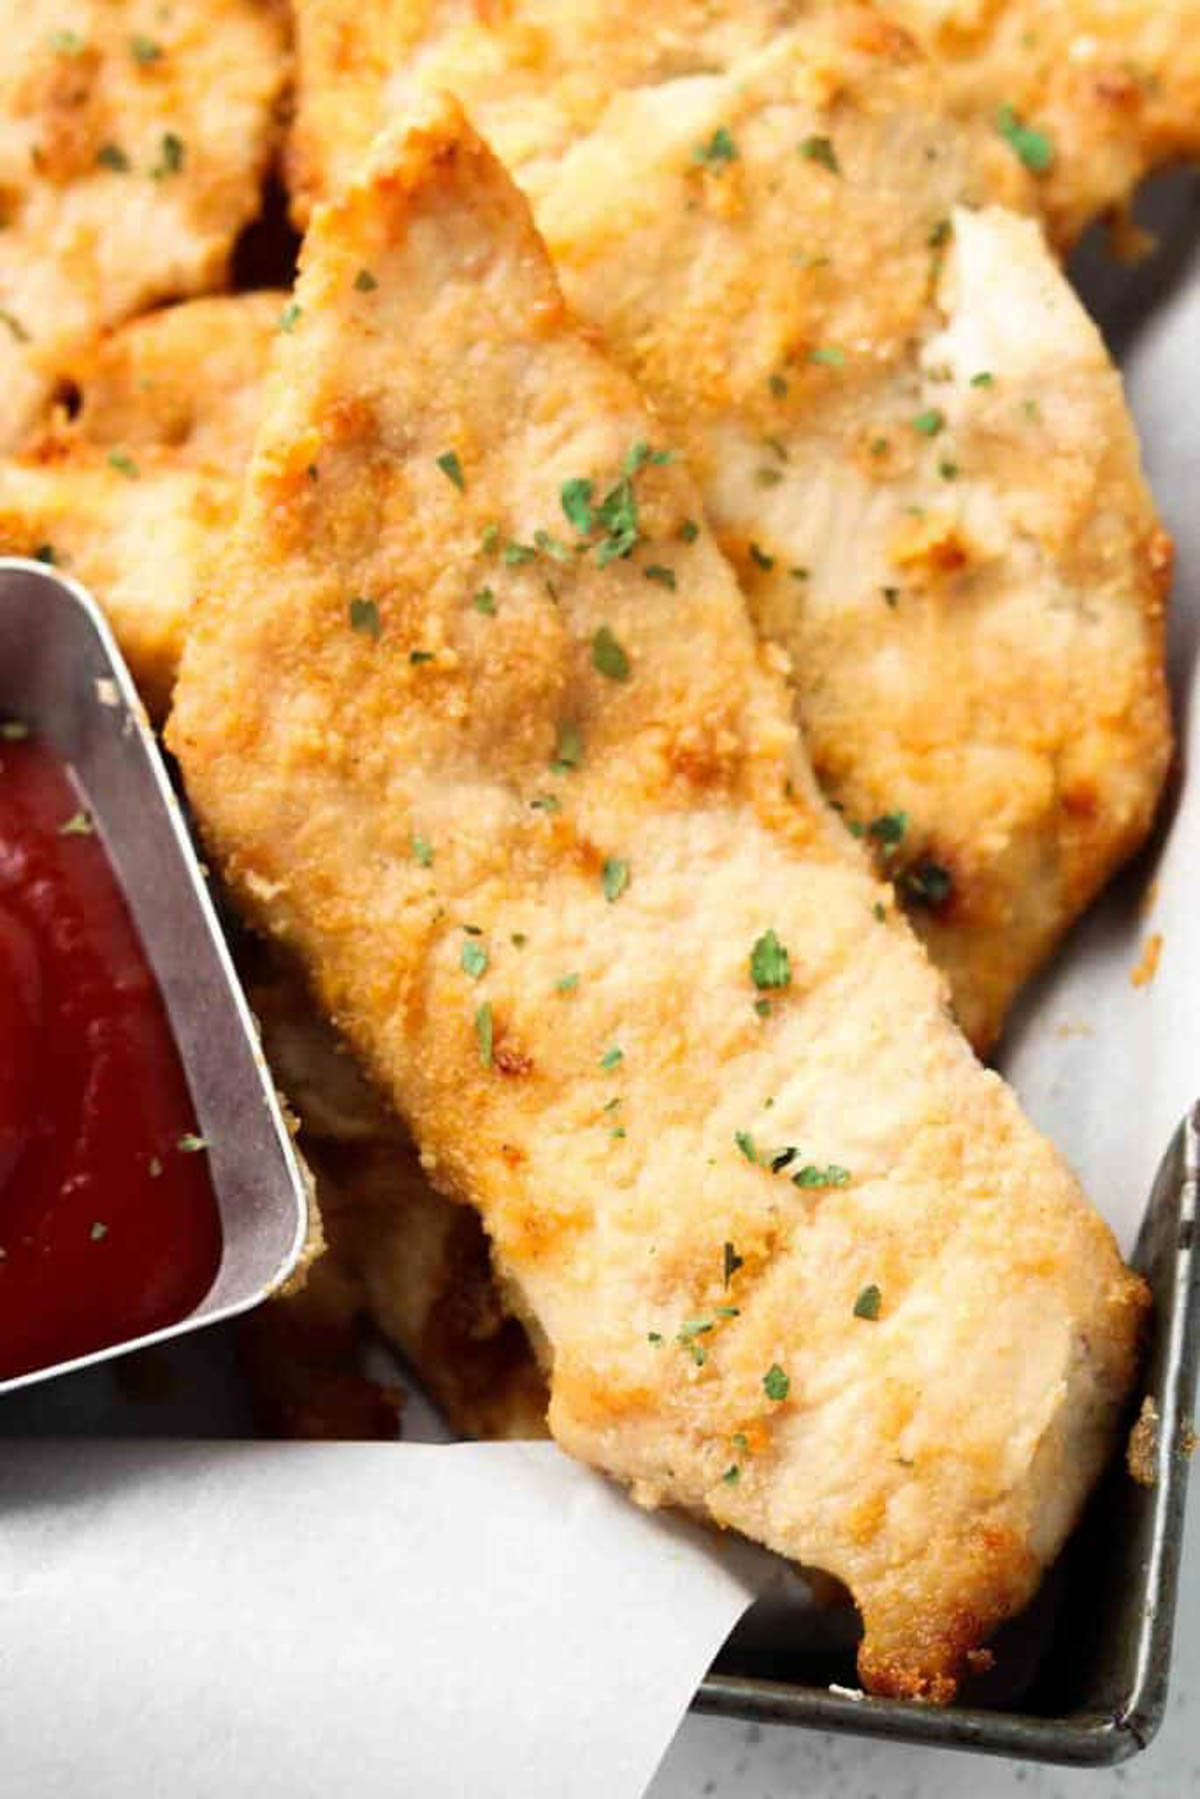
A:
x: 1082, y: 1677
x: 62, y: 674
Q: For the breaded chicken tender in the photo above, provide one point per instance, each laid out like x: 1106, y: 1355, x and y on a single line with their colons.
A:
x: 473, y: 719
x: 1092, y: 95
x: 136, y: 492
x: 134, y: 138
x: 908, y: 435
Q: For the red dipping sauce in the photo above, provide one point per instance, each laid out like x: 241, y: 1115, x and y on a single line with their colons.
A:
x: 108, y: 1222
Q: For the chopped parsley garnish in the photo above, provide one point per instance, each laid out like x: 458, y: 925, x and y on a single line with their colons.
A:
x: 171, y: 156
x: 768, y: 477
x: 821, y: 150
x: 868, y: 1303
x: 364, y: 616
x: 745, y: 1143
x: 879, y: 911
x: 575, y: 497
x: 144, y: 50
x: 811, y: 1176
x: 694, y: 1327
x: 422, y: 851
x: 111, y: 156
x: 689, y: 531
x: 929, y: 423
x: 474, y: 959
x: 732, y: 1262
x: 780, y: 1162
x: 654, y: 1337
x: 608, y: 658
x: 417, y: 657
x: 46, y: 553
x: 551, y: 546
x: 568, y: 749
x: 545, y: 802
x: 732, y: 1475
x: 190, y: 1144
x: 891, y: 596
x: 776, y: 1384
x: 717, y: 150
x: 615, y: 878
x: 948, y: 470
x: 67, y: 43
x: 940, y: 234
x: 514, y: 554
x: 830, y: 356
x: 485, y: 1034
x: 1035, y: 148
x: 640, y: 456
x: 289, y: 316
x: 13, y: 325
x: 983, y: 379
x: 98, y: 1231
x: 777, y: 385
x: 888, y: 829
x: 78, y: 825
x: 123, y: 463
x: 485, y: 602
x: 365, y: 282
x: 760, y: 558
x: 928, y: 884
x: 489, y: 543
x: 770, y: 965
x: 567, y: 983
x: 451, y: 467
x: 612, y: 1058
x: 665, y: 577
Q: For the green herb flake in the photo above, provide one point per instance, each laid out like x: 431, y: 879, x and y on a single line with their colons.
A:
x: 768, y: 477
x: 365, y: 282
x: 763, y: 1007
x: 489, y: 543
x: 46, y: 553
x: 879, y: 911
x: 78, y: 825
x: 948, y: 470
x: 418, y: 657
x: 688, y: 531
x: 760, y: 557
x: 776, y: 1384
x: 891, y: 596
x: 172, y: 155
x: 770, y: 965
x: 888, y: 829
x: 575, y: 497
x: 191, y: 1145
x: 545, y: 802
x: 289, y: 316
x: 665, y: 577
x: 67, y: 43
x: 928, y: 884
x: 144, y: 50
x: 694, y: 1327
x: 568, y: 749
x: 929, y: 423
x: 615, y: 878
x: 745, y: 1143
x: 1035, y: 148
x: 451, y: 467
x: 640, y: 456
x: 812, y: 1177
x: 732, y: 1475
x: 422, y: 851
x: 740, y: 1441
x: 612, y: 1058
x: 828, y: 356
x: 13, y: 326
x: 732, y: 1261
x: 983, y: 379
x: 485, y: 601
x: 515, y: 554
x: 608, y: 657
x: 718, y: 150
x: 868, y: 1303
x: 655, y: 1337
x: 567, y: 983
x: 111, y: 156
x: 940, y: 235
x: 123, y: 463
x: 364, y: 617
x: 474, y: 959
x: 98, y: 1231
x: 485, y: 1034
x: 778, y: 386
x: 820, y: 150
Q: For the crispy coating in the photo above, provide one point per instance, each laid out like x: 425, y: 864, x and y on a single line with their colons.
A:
x: 1111, y: 87
x: 134, y: 138
x: 137, y: 491
x: 530, y: 851
x: 908, y: 435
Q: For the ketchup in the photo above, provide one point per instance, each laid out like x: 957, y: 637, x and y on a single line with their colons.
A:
x: 108, y: 1222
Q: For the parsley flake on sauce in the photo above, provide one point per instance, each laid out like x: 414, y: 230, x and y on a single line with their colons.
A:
x: 608, y: 657
x: 111, y: 156
x: 567, y: 983
x: 929, y: 423
x: 830, y: 356
x: 123, y: 463
x: 745, y: 1143
x: 776, y: 1384
x: 13, y: 325
x: 78, y: 825
x: 732, y: 1262
x: 485, y: 1034
x: 615, y: 878
x: 474, y: 959
x: 451, y: 467
x: 665, y: 577
x: 888, y: 829
x: 868, y: 1303
x: 568, y: 749
x: 364, y: 617
x: 365, y: 282
x: 718, y: 150
x: 485, y: 602
x: 191, y: 1145
x: 289, y: 316
x: 612, y: 1058
x: 811, y: 1176
x: 422, y: 851
x: 144, y: 50
x: 1035, y: 148
x: 820, y: 150
x: 171, y: 157
x: 770, y: 965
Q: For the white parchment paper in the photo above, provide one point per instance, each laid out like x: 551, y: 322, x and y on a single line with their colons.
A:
x: 215, y: 1620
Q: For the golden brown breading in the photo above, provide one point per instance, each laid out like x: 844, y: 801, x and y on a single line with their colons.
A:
x: 1094, y: 93
x: 538, y: 820
x: 134, y: 138
x: 907, y: 433
x: 135, y: 493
